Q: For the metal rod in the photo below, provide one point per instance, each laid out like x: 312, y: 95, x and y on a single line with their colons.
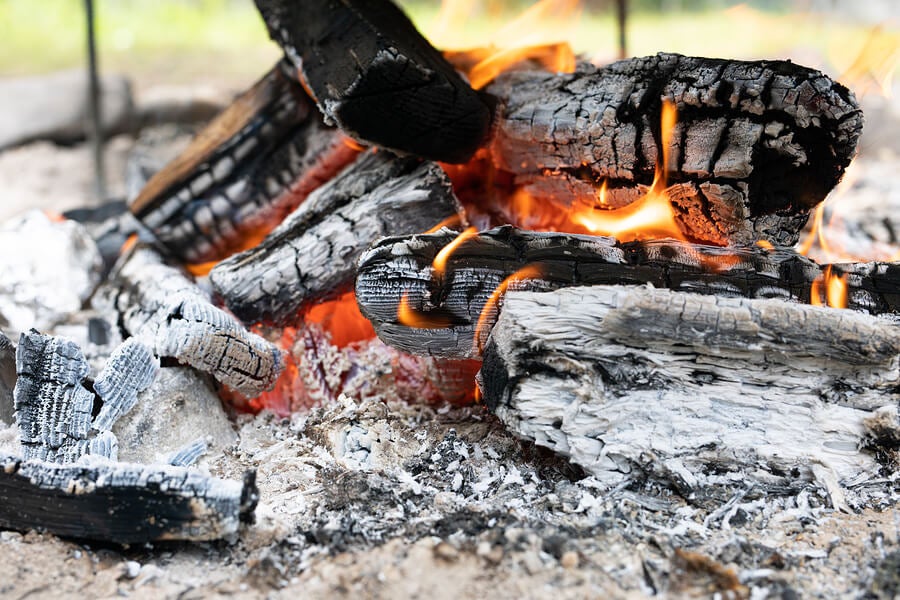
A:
x: 95, y: 117
x: 622, y: 18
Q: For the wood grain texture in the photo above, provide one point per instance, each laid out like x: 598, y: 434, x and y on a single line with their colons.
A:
x: 244, y: 172
x: 757, y: 144
x: 403, y: 266
x: 312, y: 255
x: 631, y: 381
x: 161, y: 306
x: 375, y: 77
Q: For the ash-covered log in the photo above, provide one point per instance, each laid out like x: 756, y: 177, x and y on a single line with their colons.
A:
x: 444, y: 306
x: 67, y: 481
x: 121, y: 502
x: 244, y: 172
x: 163, y: 307
x: 374, y: 76
x: 756, y: 145
x: 312, y: 255
x: 631, y: 381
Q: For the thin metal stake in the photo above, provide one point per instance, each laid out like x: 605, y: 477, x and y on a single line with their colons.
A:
x: 622, y: 18
x: 94, y: 106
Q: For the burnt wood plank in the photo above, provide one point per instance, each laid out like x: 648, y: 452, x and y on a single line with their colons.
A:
x: 312, y: 256
x: 632, y: 381
x: 374, y: 76
x: 450, y: 304
x: 244, y: 172
x: 121, y: 502
x: 757, y: 144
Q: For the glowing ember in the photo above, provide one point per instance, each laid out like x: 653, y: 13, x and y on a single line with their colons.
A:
x: 490, y: 307
x: 130, y: 243
x: 440, y: 261
x: 341, y: 320
x: 651, y: 216
x: 409, y: 316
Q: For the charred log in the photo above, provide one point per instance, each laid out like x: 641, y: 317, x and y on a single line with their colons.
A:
x: 312, y: 256
x: 244, y: 172
x: 447, y: 306
x: 374, y: 76
x: 160, y: 305
x: 120, y: 502
x: 629, y: 382
x: 757, y: 144
x: 7, y: 378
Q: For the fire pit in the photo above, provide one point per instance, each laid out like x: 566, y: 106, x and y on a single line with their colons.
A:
x: 507, y: 315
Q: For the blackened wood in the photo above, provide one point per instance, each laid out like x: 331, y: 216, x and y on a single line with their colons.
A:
x: 631, y: 381
x: 7, y: 378
x: 130, y: 370
x: 312, y: 256
x: 120, y: 502
x: 398, y: 267
x: 163, y: 307
x: 756, y: 146
x: 377, y: 78
x: 244, y: 172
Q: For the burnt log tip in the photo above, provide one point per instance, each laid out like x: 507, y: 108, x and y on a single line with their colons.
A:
x: 374, y: 75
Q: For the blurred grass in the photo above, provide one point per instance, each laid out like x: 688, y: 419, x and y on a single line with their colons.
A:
x: 225, y: 40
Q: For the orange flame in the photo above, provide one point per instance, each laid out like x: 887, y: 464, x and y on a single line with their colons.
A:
x: 341, y: 319
x: 409, y: 316
x: 834, y: 288
x: 439, y: 265
x: 651, y: 216
x: 490, y: 307
x: 875, y: 64
x: 450, y: 221
x: 557, y: 58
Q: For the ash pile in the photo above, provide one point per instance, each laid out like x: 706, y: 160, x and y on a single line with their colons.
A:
x: 384, y: 327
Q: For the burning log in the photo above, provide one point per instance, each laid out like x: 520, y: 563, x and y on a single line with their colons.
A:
x: 162, y: 306
x: 374, y: 76
x: 633, y: 381
x: 244, y: 172
x: 449, y: 311
x: 756, y: 146
x: 68, y: 482
x: 312, y: 256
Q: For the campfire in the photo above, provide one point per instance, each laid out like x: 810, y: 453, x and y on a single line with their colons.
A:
x: 611, y: 260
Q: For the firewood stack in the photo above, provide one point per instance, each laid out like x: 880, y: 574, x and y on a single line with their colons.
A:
x: 355, y: 163
x: 754, y: 147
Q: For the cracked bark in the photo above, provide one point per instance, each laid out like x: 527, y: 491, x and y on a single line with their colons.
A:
x: 244, y: 172
x: 402, y: 266
x: 629, y: 382
x: 756, y: 146
x: 377, y: 78
x: 160, y: 305
x: 312, y: 256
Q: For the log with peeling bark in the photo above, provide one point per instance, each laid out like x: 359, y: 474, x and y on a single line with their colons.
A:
x: 244, y: 172
x: 67, y: 481
x: 375, y: 76
x: 163, y: 307
x: 698, y: 390
x: 756, y: 146
x: 445, y: 308
x: 312, y: 256
x: 121, y: 502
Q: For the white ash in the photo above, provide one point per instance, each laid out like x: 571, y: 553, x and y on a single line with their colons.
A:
x: 48, y: 269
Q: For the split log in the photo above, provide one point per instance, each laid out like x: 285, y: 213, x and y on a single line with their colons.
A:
x: 374, y: 76
x: 7, y: 378
x: 757, y: 144
x: 629, y: 382
x: 244, y: 172
x: 54, y: 407
x: 122, y: 503
x: 312, y: 256
x: 448, y: 306
x: 161, y: 306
